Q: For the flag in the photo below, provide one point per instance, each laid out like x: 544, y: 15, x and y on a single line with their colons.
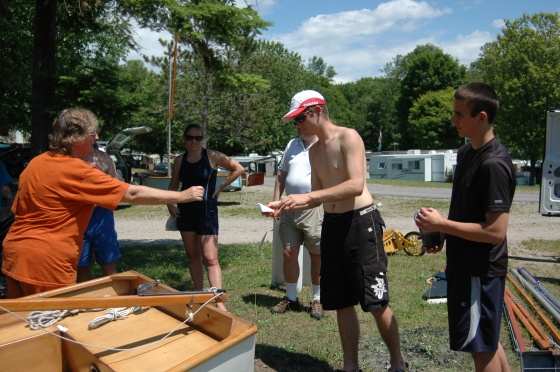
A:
x: 379, y: 140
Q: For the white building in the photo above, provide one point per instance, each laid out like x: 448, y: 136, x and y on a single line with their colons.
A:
x: 431, y: 166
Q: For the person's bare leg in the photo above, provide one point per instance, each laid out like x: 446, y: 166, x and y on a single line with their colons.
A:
x: 290, y: 267
x: 315, y: 260
x: 15, y: 289
x: 194, y: 255
x: 109, y: 269
x: 503, y: 359
x: 491, y: 361
x: 389, y: 331
x: 84, y: 274
x: 349, y: 331
x: 209, y: 244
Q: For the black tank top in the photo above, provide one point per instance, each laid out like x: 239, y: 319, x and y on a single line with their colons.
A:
x: 202, y: 174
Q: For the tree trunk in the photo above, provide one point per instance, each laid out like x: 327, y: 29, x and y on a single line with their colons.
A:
x: 532, y: 172
x: 44, y: 74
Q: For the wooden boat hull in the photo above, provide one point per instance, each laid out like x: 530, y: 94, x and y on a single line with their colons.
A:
x: 212, y: 341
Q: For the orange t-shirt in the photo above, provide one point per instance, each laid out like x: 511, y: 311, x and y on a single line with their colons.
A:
x: 53, y: 205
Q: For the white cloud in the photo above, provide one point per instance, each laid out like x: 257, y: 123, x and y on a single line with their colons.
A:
x: 467, y: 48
x: 262, y: 6
x: 498, y: 23
x: 364, y: 25
x: 360, y: 42
x: 148, y: 40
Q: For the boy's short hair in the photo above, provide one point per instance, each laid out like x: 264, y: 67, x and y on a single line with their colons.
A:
x: 480, y: 97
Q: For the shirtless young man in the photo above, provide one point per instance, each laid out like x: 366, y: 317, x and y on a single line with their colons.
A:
x: 353, y: 259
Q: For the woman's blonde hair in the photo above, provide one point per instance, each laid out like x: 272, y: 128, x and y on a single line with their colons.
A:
x: 70, y: 126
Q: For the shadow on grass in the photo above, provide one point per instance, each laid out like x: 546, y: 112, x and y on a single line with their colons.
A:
x: 282, y: 360
x: 262, y: 300
x: 158, y: 259
x: 165, y: 259
x: 266, y: 301
x: 132, y: 243
x: 225, y: 204
x: 550, y: 259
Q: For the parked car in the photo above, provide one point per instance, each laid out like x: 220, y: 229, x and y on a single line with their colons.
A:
x: 114, y: 147
x: 162, y: 167
x: 15, y: 157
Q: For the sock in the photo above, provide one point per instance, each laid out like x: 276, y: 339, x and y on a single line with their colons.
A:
x: 316, y: 292
x: 291, y: 291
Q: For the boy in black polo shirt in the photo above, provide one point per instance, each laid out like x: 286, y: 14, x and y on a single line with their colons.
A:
x: 475, y: 231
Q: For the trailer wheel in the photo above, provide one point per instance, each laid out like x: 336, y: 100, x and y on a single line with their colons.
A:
x: 413, y: 245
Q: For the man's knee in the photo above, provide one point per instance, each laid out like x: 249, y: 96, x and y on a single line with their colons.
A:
x: 291, y: 254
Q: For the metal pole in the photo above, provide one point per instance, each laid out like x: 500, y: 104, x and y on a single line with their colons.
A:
x: 542, y: 300
x: 539, y: 287
x: 172, y: 73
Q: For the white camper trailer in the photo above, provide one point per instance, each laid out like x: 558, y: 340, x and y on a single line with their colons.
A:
x: 430, y: 166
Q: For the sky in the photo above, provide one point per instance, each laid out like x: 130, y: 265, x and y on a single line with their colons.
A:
x: 359, y: 37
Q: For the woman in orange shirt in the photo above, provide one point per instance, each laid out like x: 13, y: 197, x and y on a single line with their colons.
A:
x: 56, y: 195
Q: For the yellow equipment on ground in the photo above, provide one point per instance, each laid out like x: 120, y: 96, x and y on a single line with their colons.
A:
x: 394, y: 241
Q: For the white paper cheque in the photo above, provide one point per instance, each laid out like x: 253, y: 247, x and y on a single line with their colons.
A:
x: 264, y: 208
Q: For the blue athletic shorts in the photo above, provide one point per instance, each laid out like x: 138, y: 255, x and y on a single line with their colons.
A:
x: 475, y: 306
x: 100, y: 239
x: 353, y: 260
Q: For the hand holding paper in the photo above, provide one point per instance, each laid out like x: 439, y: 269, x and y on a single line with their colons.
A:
x: 264, y: 208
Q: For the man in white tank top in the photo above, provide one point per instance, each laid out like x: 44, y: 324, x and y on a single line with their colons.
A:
x: 299, y: 227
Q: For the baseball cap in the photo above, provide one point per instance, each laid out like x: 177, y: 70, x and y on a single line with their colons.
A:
x: 301, y: 101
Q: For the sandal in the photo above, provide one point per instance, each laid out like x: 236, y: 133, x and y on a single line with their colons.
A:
x: 406, y: 368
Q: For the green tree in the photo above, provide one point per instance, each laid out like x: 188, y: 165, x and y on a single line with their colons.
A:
x: 210, y: 27
x: 16, y: 42
x: 320, y: 68
x: 218, y: 33
x: 430, y: 121
x: 69, y: 32
x: 373, y: 106
x: 523, y: 66
x: 428, y: 68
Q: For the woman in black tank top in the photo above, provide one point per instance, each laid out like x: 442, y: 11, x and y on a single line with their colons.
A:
x: 198, y: 221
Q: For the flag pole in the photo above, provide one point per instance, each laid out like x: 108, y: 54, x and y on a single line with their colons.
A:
x: 171, y: 98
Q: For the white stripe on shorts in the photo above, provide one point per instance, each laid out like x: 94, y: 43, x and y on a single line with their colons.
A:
x: 475, y: 309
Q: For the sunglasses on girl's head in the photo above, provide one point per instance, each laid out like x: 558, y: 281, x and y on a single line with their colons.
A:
x: 193, y: 138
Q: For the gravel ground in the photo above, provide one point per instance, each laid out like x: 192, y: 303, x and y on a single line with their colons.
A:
x: 525, y: 223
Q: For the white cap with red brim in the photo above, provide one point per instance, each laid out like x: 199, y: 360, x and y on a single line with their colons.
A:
x: 301, y: 101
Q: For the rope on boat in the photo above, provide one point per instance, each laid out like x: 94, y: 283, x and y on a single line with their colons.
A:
x: 112, y: 315
x: 217, y: 294
x: 43, y: 319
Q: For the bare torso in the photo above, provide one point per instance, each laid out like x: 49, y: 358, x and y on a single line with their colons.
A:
x: 335, y: 160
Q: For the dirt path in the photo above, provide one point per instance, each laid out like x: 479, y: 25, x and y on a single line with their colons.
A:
x: 525, y: 223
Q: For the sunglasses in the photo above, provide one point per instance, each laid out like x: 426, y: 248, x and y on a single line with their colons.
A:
x: 193, y: 138
x: 301, y: 118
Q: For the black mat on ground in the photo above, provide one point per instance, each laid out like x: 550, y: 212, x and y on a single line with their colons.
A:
x: 437, y: 290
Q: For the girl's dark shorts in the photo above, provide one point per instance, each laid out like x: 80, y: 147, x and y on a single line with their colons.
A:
x: 474, y: 305
x: 200, y: 223
x: 353, y: 260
